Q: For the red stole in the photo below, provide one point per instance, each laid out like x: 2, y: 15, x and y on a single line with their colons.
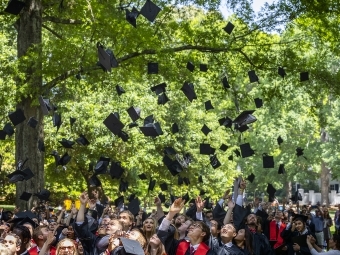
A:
x: 275, y: 234
x: 184, y: 246
x: 34, y: 251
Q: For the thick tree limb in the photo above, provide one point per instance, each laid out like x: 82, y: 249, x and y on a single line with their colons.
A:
x: 62, y: 21
x: 53, y: 32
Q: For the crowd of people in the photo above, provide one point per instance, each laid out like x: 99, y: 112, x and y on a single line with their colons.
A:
x: 194, y: 227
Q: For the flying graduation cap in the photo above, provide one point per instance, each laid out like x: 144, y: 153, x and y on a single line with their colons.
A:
x: 120, y: 90
x: 281, y: 72
x: 189, y: 91
x: 258, y: 102
x: 107, y: 60
x: 246, y: 150
x: 8, y: 129
x: 57, y: 120
x: 150, y: 10
x: 44, y: 105
x: 251, y: 177
x: 252, y: 76
x: 271, y: 192
x: 82, y: 140
x: 208, y: 105
x: 17, y: 117
x: 244, y: 119
x: 134, y: 113
x: 113, y: 123
x: 229, y: 28
x: 225, y: 83
x: 152, y: 68
x: 150, y: 127
x: 14, y: 7
x: 279, y: 140
x: 131, y: 16
x: 304, y: 76
x: 282, y: 169
x: 268, y: 161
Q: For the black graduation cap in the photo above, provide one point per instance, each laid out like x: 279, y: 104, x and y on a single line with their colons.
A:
x: 229, y: 28
x: 2, y: 135
x: 246, y: 150
x: 203, y: 67
x: 142, y: 176
x: 304, y: 76
x: 281, y: 72
x: 106, y: 57
x: 131, y: 16
x: 28, y: 220
x: 120, y: 90
x: 116, y: 170
x: 186, y: 181
x: 94, y: 181
x: 208, y: 105
x: 243, y: 128
x: 132, y: 247
x: 186, y: 198
x: 28, y: 173
x: 44, y: 194
x: 190, y: 66
x: 67, y: 143
x: 245, y: 118
x: 17, y: 117
x: 225, y: 83
x: 202, y: 192
x: 206, y: 149
x: 299, y: 151
x: 169, y: 151
x: 226, y: 121
x: 205, y: 129
x: 231, y: 157
x: 91, y: 166
x: 268, y: 161
x: 123, y: 186
x: 163, y: 186
x: 162, y: 99
x: 44, y: 105
x: 152, y: 184
x: 214, y: 162
x: 131, y: 197
x: 189, y: 91
x: 119, y: 201
x: 173, y: 165
x: 251, y: 178
x: 180, y: 181
x: 123, y: 135
x: 300, y: 217
x: 160, y: 88
x: 132, y: 125
x: 224, y: 147
x: 64, y: 159
x: 82, y: 140
x: 14, y: 7
x: 134, y: 113
x: 282, y: 169
x: 279, y: 140
x: 296, y: 197
x: 8, y: 129
x: 16, y: 176
x: 150, y: 10
x: 237, y: 152
x: 200, y: 179
x: 72, y: 121
x: 101, y: 165
x: 25, y: 196
x: 152, y: 68
x: 57, y: 120
x: 271, y: 192
x: 161, y: 197
x: 150, y: 127
x: 252, y: 76
x: 174, y: 128
x: 258, y: 102
x: 113, y: 123
x: 134, y: 206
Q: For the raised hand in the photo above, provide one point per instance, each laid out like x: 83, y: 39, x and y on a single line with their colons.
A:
x: 231, y: 204
x: 50, y: 238
x: 226, y: 194
x: 177, y: 206
x: 199, y: 204
x: 157, y: 201
x: 84, y: 198
x: 243, y: 184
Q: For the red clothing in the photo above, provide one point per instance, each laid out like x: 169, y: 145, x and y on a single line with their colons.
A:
x: 35, y: 250
x: 275, y: 233
x: 184, y: 246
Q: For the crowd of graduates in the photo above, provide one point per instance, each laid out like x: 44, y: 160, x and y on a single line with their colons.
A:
x: 192, y: 227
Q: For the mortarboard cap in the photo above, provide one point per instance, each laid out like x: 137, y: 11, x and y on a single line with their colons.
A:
x: 246, y: 150
x: 252, y: 76
x: 206, y: 149
x: 132, y: 247
x: 28, y: 173
x: 190, y: 66
x: 258, y: 102
x: 113, y: 123
x: 123, y: 135
x: 304, y: 76
x: 227, y: 122
x: 106, y: 58
x: 120, y: 90
x: 202, y: 192
x: 72, y: 121
x: 41, y: 145
x: 152, y: 184
x: 44, y: 105
x: 28, y: 220
x: 225, y: 83
x: 16, y: 176
x: 17, y: 117
x: 131, y: 197
x: 231, y: 157
x: 25, y: 196
x: 57, y: 120
x: 282, y: 169
x: 67, y: 143
x: 245, y: 118
x: 279, y: 140
x: 203, y: 67
x: 160, y: 88
x: 134, y: 113
x: 186, y: 181
x: 268, y: 161
x: 174, y: 128
x: 180, y: 181
x: 14, y: 7
x: 299, y: 152
x: 133, y: 124
x: 205, y: 129
x: 151, y: 129
x: 208, y: 105
x: 229, y: 28
x: 134, y: 206
x: 44, y: 194
x: 271, y: 192
x: 243, y: 128
x: 143, y: 176
x: 161, y: 197
x: 119, y: 201
x: 200, y: 179
x: 150, y: 10
x: 163, y: 186
x: 123, y: 186
x: 152, y: 68
x: 251, y: 178
x: 82, y: 140
x: 94, y: 181
x: 64, y: 159
x: 131, y: 16
x: 237, y: 152
x: 2, y: 135
x: 300, y: 217
x: 169, y: 151
x: 224, y: 147
x: 281, y: 72
x: 189, y: 91
x: 173, y: 165
x: 56, y: 157
x: 8, y: 129
x: 162, y: 99
x: 186, y: 198
x: 116, y: 170
x: 214, y: 162
x: 101, y: 165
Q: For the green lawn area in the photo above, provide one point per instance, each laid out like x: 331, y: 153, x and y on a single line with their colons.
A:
x: 331, y: 213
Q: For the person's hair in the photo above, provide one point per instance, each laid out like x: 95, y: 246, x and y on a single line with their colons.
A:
x: 24, y: 232
x: 37, y: 231
x: 185, y: 216
x: 141, y: 239
x: 326, y: 215
x: 160, y: 249
x: 336, y: 239
x: 153, y: 230
x: 18, y: 242
x: 205, y: 229
x: 248, y: 242
x: 131, y: 216
x: 61, y: 242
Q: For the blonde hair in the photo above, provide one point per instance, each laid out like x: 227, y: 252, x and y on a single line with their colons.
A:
x: 153, y: 230
x: 75, y: 251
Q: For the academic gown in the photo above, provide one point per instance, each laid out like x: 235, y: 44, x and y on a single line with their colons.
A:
x: 233, y: 250
x: 287, y: 235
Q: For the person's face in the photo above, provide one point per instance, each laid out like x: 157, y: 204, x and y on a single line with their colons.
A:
x: 317, y: 212
x: 102, y: 230
x: 125, y: 220
x: 112, y: 227
x: 106, y: 221
x: 332, y: 244
x: 52, y: 225
x: 213, y: 228
x: 70, y: 232
x: 228, y: 231
x: 179, y: 220
x: 241, y: 234
x: 30, y: 228
x: 149, y: 225
x: 195, y: 231
x: 154, y: 240
x: 80, y: 248
x: 10, y: 243
x: 35, y: 220
x: 133, y: 235
x: 66, y: 248
x: 184, y: 226
x: 44, y: 232
x: 299, y: 225
x: 209, y: 216
x: 278, y: 215
x: 251, y: 219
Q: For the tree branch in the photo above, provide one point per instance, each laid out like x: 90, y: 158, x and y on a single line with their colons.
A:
x: 53, y: 32
x: 62, y: 21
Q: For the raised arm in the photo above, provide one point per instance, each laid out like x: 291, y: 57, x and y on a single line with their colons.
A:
x: 84, y: 198
x: 227, y: 217
x: 160, y: 212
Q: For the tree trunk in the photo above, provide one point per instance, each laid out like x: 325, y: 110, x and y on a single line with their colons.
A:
x: 29, y: 28
x: 288, y: 190
x: 325, y: 174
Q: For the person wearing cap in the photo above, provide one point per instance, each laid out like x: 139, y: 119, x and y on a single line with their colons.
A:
x: 25, y: 237
x: 334, y: 244
x: 198, y: 234
x: 40, y: 235
x: 13, y: 243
